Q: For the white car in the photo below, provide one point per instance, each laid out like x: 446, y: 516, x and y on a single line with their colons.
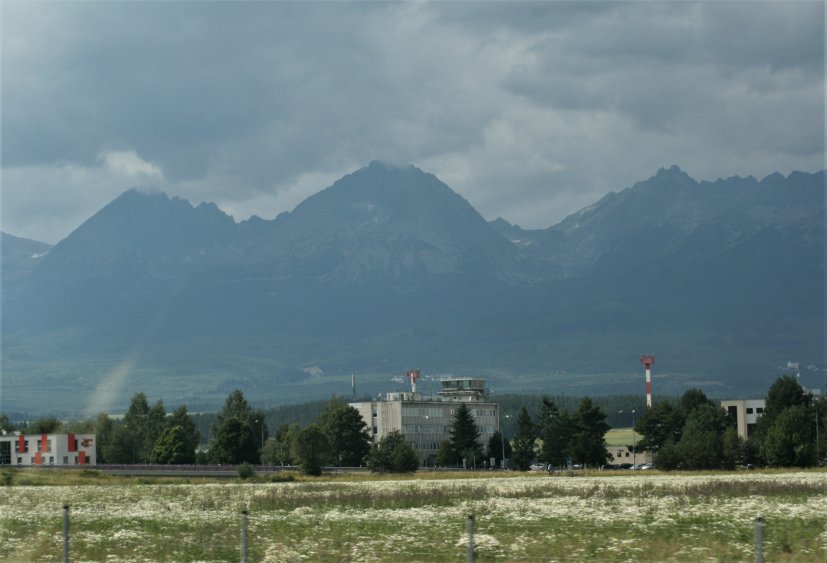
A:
x: 538, y: 467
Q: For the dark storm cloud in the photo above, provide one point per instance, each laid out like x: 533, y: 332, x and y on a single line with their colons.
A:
x: 529, y: 110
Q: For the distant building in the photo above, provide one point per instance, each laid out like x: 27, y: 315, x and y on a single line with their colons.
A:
x: 47, y: 449
x: 625, y: 454
x: 746, y: 413
x: 426, y: 421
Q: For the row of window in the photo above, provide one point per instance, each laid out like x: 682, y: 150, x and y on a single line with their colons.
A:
x: 26, y: 446
x: 51, y: 460
x: 758, y: 410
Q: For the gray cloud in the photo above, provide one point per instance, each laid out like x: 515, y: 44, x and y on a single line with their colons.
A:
x: 529, y: 110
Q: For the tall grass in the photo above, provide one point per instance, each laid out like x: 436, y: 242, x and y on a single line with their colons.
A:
x: 609, y: 517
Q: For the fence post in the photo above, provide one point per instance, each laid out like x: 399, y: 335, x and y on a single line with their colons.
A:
x: 244, y: 536
x: 65, y: 533
x: 759, y: 539
x: 469, y: 523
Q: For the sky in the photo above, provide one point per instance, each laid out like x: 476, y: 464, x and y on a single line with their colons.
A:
x: 529, y: 110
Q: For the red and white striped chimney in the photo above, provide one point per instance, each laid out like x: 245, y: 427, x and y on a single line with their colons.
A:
x: 648, y: 361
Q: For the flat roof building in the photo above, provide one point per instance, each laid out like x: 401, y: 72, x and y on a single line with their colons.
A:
x: 746, y: 413
x: 48, y: 449
x: 425, y: 421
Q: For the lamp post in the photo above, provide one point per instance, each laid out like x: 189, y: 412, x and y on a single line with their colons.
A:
x: 634, y: 439
x: 502, y: 439
x: 262, y: 432
x: 424, y: 458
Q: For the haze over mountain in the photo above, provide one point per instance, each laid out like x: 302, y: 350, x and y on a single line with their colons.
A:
x: 389, y: 269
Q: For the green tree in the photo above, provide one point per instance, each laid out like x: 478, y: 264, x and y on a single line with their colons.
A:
x: 279, y: 451
x: 393, y: 453
x: 524, y: 440
x: 465, y: 435
x: 348, y: 436
x: 173, y: 447
x: 496, y: 444
x: 233, y: 442
x: 145, y: 424
x: 121, y: 446
x: 784, y: 393
x: 661, y: 424
x: 180, y: 417
x: 103, y: 433
x: 588, y: 445
x: 310, y: 449
x: 732, y: 449
x: 701, y: 444
x: 445, y: 455
x: 49, y: 425
x: 668, y: 457
x: 691, y: 400
x: 6, y: 425
x: 790, y: 441
x: 556, y: 431
x: 236, y: 406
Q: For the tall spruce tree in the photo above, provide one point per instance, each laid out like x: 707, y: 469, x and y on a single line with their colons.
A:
x: 524, y: 440
x: 465, y: 436
x: 556, y: 431
x: 237, y: 433
x: 588, y: 445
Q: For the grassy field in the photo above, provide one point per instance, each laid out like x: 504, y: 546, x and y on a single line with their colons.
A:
x: 622, y: 516
x: 621, y: 437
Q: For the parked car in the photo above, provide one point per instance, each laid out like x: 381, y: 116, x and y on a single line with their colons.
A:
x: 538, y: 467
x: 648, y: 466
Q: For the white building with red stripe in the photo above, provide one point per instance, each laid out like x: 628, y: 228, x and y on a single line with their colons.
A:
x: 47, y: 449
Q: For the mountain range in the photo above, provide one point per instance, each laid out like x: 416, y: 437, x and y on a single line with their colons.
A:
x: 389, y: 269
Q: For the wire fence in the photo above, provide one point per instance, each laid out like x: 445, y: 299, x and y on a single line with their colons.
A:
x: 473, y: 546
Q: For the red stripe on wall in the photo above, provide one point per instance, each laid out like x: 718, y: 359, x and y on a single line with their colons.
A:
x: 37, y: 458
x: 72, y: 443
x: 21, y: 446
x: 43, y: 443
x: 82, y: 457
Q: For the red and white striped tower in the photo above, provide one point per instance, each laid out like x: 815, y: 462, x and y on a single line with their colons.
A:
x: 648, y: 361
x: 413, y: 375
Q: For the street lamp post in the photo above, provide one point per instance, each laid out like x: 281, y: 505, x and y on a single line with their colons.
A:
x: 262, y: 433
x: 634, y: 439
x: 502, y: 439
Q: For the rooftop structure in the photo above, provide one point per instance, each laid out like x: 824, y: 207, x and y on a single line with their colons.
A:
x: 425, y: 421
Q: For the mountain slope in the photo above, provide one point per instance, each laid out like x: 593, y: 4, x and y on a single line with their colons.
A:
x: 388, y: 268
x: 383, y: 222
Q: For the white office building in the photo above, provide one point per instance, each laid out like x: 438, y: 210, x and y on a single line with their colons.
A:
x: 47, y: 449
x: 425, y: 421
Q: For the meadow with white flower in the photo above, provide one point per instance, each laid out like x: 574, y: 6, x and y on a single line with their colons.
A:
x: 617, y: 517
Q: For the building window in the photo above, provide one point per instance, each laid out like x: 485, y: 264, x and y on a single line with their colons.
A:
x: 19, y: 461
x: 66, y: 460
x: 759, y: 410
x: 749, y: 410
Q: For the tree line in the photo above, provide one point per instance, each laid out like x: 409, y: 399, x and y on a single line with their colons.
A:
x: 689, y: 432
x: 695, y: 432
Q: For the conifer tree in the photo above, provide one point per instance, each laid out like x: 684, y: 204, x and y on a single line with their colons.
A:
x: 465, y: 435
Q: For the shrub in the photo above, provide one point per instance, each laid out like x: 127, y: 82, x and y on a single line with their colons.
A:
x: 245, y: 471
